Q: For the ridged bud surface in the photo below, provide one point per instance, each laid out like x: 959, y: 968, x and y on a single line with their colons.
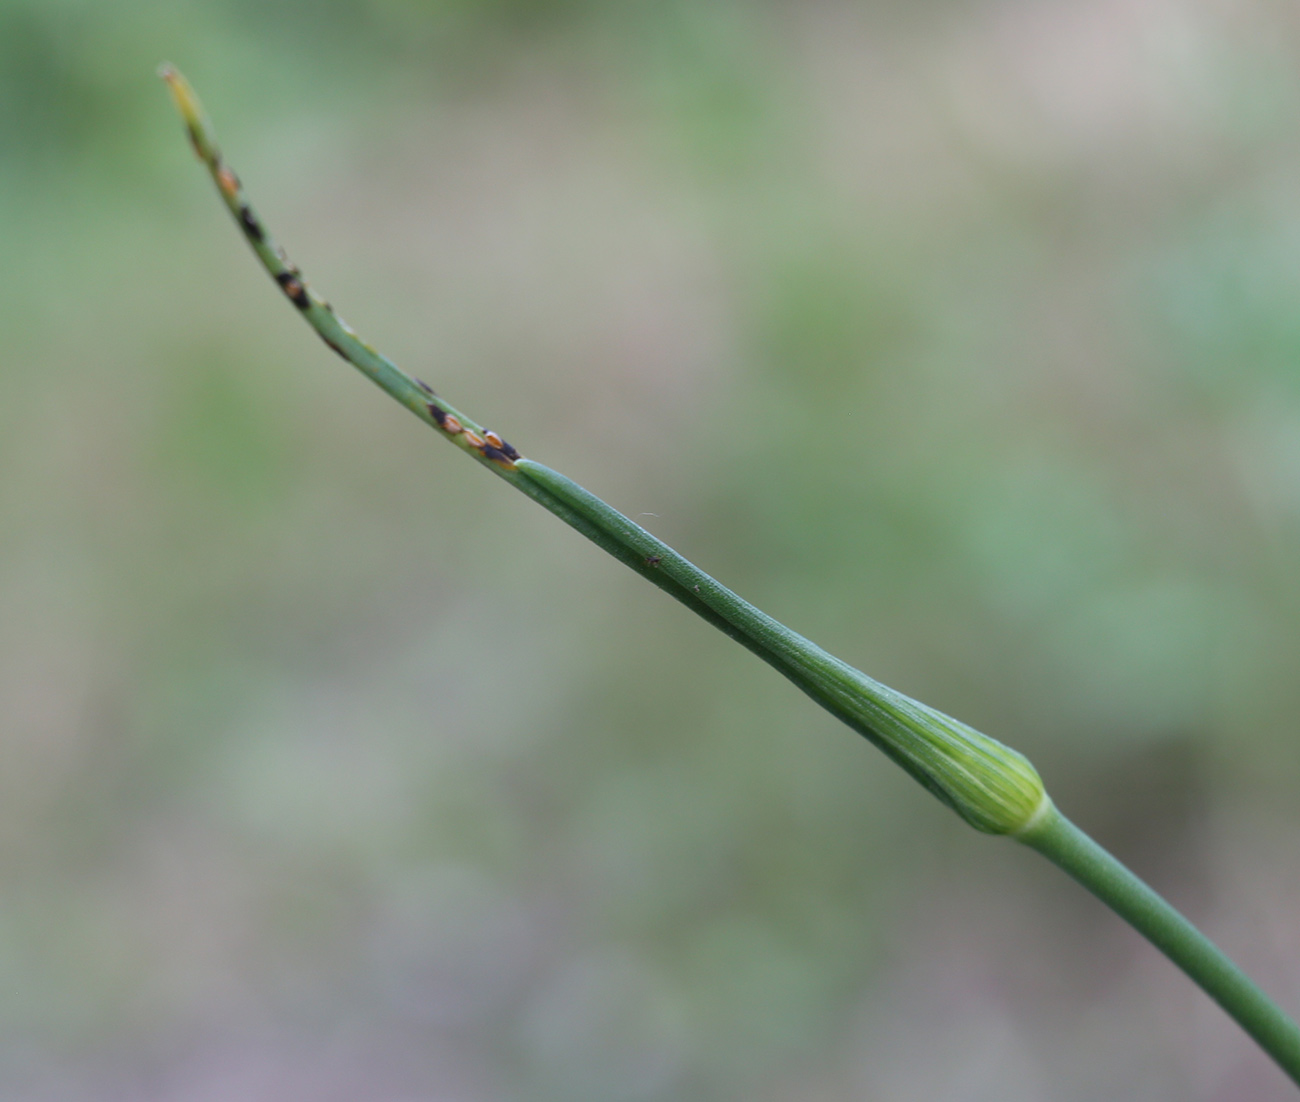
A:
x: 991, y: 786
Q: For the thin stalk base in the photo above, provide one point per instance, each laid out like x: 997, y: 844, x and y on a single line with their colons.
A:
x: 1065, y: 845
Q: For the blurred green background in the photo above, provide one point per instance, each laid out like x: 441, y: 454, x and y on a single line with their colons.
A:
x: 962, y: 337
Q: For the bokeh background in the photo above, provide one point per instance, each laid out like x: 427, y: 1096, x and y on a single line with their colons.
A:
x: 964, y: 337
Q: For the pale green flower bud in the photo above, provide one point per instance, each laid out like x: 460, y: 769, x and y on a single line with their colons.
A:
x: 991, y: 786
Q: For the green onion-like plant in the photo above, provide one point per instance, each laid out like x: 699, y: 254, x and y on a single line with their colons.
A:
x: 994, y: 788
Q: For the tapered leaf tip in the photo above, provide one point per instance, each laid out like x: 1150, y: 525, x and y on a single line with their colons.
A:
x: 187, y: 102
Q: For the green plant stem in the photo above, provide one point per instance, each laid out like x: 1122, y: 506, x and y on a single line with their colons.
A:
x: 1068, y: 847
x: 991, y: 786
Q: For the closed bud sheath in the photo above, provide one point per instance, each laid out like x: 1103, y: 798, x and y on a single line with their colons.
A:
x: 991, y: 786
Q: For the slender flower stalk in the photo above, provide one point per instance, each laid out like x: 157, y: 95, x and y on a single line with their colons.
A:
x: 994, y: 788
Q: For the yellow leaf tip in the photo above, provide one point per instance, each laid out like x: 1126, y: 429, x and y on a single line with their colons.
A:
x: 183, y: 95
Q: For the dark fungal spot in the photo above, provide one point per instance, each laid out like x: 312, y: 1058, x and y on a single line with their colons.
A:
x: 508, y: 450
x: 294, y: 289
x: 423, y: 386
x: 437, y: 413
x: 251, y: 225
x: 653, y: 560
x: 489, y: 452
